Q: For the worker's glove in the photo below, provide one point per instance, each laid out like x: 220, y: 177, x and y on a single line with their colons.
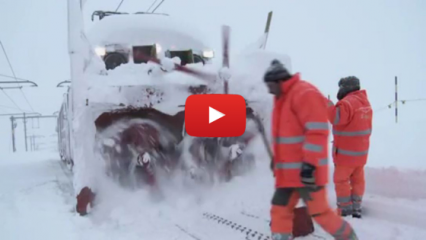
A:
x: 307, y: 175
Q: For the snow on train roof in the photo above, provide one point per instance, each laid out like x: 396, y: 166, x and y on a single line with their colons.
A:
x: 146, y: 29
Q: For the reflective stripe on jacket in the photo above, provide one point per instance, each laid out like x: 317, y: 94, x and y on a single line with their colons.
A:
x: 300, y: 130
x: 352, y: 119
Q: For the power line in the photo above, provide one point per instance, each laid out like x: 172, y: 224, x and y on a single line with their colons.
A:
x: 151, y: 5
x: 413, y: 100
x: 389, y: 106
x: 8, y: 61
x: 119, y: 5
x: 14, y: 75
x: 4, y: 106
x: 381, y: 109
x: 12, y: 100
x: 158, y: 6
x: 26, y: 99
x: 7, y: 107
x: 16, y: 78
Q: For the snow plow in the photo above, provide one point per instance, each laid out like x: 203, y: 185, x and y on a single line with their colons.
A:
x: 131, y: 78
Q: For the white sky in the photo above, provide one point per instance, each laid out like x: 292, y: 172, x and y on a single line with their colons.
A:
x: 374, y: 40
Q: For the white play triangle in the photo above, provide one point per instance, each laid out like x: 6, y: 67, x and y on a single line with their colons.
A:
x: 214, y: 115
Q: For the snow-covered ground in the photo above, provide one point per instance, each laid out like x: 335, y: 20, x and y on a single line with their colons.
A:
x: 37, y: 202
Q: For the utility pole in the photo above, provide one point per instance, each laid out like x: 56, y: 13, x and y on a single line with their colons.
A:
x: 14, y: 124
x: 12, y: 120
x: 25, y: 132
x: 25, y: 118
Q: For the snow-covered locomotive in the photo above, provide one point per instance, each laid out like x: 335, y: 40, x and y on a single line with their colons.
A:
x: 123, y: 41
x: 125, y: 107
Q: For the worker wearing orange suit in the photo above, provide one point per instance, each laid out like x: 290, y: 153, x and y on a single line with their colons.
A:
x: 300, y: 165
x: 351, y: 118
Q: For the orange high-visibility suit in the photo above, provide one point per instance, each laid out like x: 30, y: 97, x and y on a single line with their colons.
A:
x: 300, y: 131
x: 352, y: 124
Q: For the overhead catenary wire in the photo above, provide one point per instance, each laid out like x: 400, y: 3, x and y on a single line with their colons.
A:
x: 8, y: 61
x: 8, y: 107
x: 14, y: 76
x: 389, y: 106
x: 14, y: 103
x: 151, y: 5
x: 413, y: 100
x: 380, y: 109
x: 119, y: 5
x: 403, y: 101
x: 158, y: 6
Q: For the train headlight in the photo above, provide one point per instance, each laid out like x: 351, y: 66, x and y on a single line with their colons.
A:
x: 158, y: 48
x: 208, y: 54
x: 100, y: 51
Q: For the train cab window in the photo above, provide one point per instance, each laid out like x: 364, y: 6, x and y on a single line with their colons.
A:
x: 186, y: 56
x: 141, y: 52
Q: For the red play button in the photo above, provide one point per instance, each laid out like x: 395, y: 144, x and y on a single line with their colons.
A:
x: 215, y: 115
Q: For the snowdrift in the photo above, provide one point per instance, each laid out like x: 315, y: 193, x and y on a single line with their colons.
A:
x: 392, y: 182
x: 43, y: 199
x: 397, y: 144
